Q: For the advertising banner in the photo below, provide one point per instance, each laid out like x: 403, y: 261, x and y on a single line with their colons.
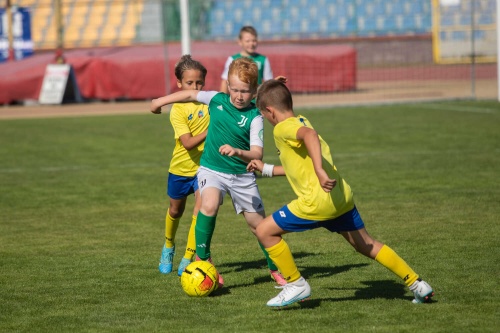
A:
x: 21, y: 31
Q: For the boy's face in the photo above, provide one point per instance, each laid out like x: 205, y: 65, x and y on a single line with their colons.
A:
x: 248, y: 43
x: 240, y: 92
x: 192, y: 79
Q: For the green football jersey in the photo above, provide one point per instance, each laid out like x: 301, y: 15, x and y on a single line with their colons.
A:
x: 228, y: 125
x: 259, y: 60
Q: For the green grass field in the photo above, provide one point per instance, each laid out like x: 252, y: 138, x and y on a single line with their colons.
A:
x: 82, y: 207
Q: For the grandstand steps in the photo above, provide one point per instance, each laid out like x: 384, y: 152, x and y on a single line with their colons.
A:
x: 150, y: 29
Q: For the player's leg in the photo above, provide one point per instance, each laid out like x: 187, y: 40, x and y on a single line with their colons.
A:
x: 212, y: 191
x: 178, y: 189
x: 205, y: 224
x: 190, y: 248
x: 297, y: 289
x: 253, y: 219
x: 246, y: 199
x: 387, y: 257
x: 191, y: 240
x: 370, y: 247
x: 172, y: 218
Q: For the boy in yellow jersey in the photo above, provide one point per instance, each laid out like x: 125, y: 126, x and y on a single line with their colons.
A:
x: 190, y: 123
x: 324, y: 199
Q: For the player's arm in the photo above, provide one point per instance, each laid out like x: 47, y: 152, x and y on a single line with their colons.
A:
x: 223, y: 83
x: 311, y: 141
x: 189, y: 141
x: 223, y: 86
x: 255, y: 152
x: 181, y: 96
x: 268, y: 72
x: 256, y: 143
x: 258, y: 165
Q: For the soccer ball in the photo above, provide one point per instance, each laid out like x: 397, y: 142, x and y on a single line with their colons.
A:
x: 199, y: 279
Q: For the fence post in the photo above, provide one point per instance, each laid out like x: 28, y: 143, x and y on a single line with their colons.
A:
x: 10, y: 34
x: 60, y: 33
x: 185, y: 34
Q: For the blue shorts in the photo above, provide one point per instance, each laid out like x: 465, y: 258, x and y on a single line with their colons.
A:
x: 179, y: 187
x: 287, y: 221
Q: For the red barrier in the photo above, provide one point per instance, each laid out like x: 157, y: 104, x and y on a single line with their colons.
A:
x: 138, y: 72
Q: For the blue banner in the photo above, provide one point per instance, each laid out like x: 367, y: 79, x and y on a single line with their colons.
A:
x: 21, y: 31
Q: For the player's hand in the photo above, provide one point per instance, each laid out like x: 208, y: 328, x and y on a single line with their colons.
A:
x: 281, y: 78
x: 326, y: 183
x: 227, y: 150
x: 155, y: 109
x: 255, y: 165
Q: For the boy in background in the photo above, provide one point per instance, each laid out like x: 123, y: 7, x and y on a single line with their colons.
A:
x: 324, y: 199
x: 247, y: 39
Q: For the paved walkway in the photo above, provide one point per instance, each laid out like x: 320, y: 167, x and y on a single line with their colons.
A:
x: 367, y: 93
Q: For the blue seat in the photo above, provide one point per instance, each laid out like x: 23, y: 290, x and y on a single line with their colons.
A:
x: 486, y: 19
x: 480, y: 35
x: 398, y: 8
x: 458, y: 35
x: 408, y: 23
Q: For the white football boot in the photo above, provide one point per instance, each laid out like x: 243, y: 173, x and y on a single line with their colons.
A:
x: 291, y: 292
x: 422, y: 291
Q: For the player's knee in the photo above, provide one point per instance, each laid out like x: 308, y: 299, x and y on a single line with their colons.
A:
x: 252, y: 229
x: 363, y: 248
x: 175, y: 212
x: 262, y: 232
x: 209, y: 210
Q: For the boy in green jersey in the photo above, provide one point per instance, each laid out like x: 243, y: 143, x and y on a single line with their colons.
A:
x: 234, y: 138
x: 247, y: 39
x: 324, y: 199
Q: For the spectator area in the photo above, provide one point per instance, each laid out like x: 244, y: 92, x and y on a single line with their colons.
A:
x: 90, y: 23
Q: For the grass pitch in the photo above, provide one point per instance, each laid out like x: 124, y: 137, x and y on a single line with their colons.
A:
x: 82, y: 207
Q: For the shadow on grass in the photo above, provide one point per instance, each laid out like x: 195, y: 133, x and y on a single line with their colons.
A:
x: 385, y: 289
x: 308, y: 272
x: 241, y: 266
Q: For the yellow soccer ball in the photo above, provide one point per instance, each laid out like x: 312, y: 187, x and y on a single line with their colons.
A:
x: 199, y: 279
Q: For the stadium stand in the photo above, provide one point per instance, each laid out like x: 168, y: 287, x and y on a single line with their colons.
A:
x: 74, y: 20
x: 453, y: 31
x: 121, y: 22
x: 151, y: 27
x: 87, y: 23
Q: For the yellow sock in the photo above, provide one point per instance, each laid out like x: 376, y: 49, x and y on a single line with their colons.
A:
x: 191, y: 241
x: 282, y: 257
x: 390, y: 259
x: 171, y: 226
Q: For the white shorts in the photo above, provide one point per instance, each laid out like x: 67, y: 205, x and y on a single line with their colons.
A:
x: 242, y: 188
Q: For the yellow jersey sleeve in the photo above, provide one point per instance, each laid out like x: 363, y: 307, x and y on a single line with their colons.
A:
x: 312, y: 201
x: 187, y: 118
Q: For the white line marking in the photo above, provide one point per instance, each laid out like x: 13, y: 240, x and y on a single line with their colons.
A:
x: 77, y: 168
x: 458, y: 108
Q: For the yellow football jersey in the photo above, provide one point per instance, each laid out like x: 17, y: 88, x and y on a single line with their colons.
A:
x: 187, y: 118
x: 313, y: 203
